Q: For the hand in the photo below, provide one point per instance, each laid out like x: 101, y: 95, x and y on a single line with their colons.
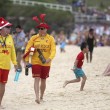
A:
x: 96, y: 45
x: 74, y: 67
x: 16, y: 67
x: 48, y: 60
x: 26, y: 63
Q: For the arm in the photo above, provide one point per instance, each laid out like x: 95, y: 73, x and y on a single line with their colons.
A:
x: 95, y: 41
x: 13, y: 54
x: 41, y: 57
x: 75, y: 64
x: 86, y: 35
x: 27, y: 50
x: 79, y: 58
x: 53, y: 50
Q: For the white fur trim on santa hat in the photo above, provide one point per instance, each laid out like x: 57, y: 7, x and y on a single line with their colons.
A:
x: 4, y: 25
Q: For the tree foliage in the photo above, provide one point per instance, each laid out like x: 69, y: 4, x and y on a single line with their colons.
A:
x: 4, y: 7
x: 23, y: 15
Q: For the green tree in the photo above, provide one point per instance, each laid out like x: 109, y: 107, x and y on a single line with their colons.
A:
x: 4, y: 7
x: 102, y: 6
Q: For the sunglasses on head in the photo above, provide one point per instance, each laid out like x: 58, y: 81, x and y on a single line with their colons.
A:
x: 41, y: 28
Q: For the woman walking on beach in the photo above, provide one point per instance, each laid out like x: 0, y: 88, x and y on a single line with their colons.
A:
x: 90, y: 38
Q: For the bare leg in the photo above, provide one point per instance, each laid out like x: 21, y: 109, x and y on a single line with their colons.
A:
x: 71, y: 81
x: 107, y: 69
x: 36, y: 88
x: 64, y: 50
x: 1, y: 107
x: 19, y: 57
x: 90, y: 56
x: 2, y: 91
x: 42, y: 87
x: 107, y: 74
x: 83, y: 82
x: 61, y: 50
x: 87, y: 57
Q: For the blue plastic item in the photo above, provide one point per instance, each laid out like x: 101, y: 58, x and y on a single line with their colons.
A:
x: 29, y: 65
x: 17, y: 74
x: 62, y: 45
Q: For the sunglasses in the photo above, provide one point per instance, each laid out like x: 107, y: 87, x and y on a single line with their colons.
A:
x: 41, y: 28
x: 8, y: 27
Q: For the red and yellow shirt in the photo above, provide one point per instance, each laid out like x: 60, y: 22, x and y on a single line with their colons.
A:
x: 7, y: 52
x: 46, y: 44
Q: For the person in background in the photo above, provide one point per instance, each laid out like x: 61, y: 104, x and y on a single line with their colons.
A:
x: 62, y: 41
x: 19, y: 41
x: 7, y: 54
x: 107, y: 71
x: 77, y: 69
x: 90, y: 38
x: 46, y: 44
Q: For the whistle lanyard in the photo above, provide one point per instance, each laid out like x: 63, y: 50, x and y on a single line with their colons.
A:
x: 3, y: 43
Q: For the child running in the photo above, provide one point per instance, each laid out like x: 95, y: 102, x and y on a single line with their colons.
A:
x: 77, y: 69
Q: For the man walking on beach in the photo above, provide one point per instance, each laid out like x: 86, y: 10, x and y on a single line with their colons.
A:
x: 19, y: 40
x: 41, y: 66
x: 7, y: 54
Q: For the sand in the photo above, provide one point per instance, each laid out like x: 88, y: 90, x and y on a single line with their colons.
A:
x: 96, y: 95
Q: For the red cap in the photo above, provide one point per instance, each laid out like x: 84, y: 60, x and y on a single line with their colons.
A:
x: 44, y: 25
x: 4, y: 23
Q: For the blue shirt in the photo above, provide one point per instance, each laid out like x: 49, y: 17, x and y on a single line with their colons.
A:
x: 19, y: 40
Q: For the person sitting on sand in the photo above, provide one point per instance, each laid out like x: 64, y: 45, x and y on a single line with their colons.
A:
x: 107, y: 71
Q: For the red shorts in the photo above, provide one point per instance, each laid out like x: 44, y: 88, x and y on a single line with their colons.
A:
x: 40, y: 71
x: 4, y: 75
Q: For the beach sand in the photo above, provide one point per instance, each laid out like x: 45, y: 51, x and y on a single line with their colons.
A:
x: 96, y: 95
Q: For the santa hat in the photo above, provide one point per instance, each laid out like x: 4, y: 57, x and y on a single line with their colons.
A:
x: 41, y: 23
x: 4, y: 23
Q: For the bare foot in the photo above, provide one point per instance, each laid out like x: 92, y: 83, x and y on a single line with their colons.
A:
x: 41, y: 98
x: 65, y: 83
x: 72, y: 69
x: 81, y: 89
x: 2, y: 107
x: 37, y: 101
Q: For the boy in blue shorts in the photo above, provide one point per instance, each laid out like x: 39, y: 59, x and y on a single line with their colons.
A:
x: 77, y: 69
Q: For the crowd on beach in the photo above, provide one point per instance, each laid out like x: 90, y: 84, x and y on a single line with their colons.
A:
x: 77, y: 36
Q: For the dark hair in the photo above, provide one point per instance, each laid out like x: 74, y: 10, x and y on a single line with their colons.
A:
x: 18, y: 26
x: 91, y: 30
x: 83, y: 45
